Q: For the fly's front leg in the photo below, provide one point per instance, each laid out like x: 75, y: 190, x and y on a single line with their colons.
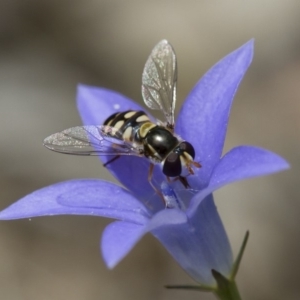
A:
x: 182, y: 179
x: 184, y: 182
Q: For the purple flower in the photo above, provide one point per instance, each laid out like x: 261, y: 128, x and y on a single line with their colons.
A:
x: 192, y: 231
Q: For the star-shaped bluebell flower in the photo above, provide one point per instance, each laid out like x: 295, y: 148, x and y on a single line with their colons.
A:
x: 192, y: 232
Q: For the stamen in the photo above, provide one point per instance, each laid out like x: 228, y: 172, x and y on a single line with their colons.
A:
x: 170, y: 197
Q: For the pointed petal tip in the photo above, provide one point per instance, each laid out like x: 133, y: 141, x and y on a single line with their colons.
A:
x: 118, y: 239
x: 250, y: 43
x: 250, y: 46
x: 84, y: 88
x: 81, y: 85
x: 276, y: 162
x: 81, y: 93
x: 4, y: 215
x: 13, y: 212
x: 110, y: 264
x: 282, y: 166
x: 246, y: 51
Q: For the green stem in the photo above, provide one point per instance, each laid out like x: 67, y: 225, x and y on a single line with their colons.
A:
x: 230, y: 292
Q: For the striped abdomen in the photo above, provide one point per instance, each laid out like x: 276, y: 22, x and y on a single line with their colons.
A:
x: 127, y: 123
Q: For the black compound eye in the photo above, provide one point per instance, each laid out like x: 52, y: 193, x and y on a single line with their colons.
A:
x: 172, y: 165
x: 188, y: 148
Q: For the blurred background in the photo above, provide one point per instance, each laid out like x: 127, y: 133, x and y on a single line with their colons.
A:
x: 48, y: 47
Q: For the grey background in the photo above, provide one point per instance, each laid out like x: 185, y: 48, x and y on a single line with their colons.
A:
x: 47, y: 47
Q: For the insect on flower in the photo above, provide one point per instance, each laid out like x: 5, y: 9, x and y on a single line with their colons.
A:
x: 132, y: 132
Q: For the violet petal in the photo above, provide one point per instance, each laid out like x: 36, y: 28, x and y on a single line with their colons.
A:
x: 167, y: 217
x: 95, y: 105
x: 79, y: 197
x: 204, y: 116
x: 199, y: 245
x: 240, y: 163
x: 118, y: 239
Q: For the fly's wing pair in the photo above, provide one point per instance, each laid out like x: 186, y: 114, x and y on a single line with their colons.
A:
x: 91, y: 140
x: 159, y: 92
x: 159, y: 81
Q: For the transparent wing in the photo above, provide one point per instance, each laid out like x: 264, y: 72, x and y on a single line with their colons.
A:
x: 91, y: 140
x: 159, y: 81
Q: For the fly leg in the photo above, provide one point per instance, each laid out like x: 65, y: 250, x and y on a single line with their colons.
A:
x: 150, y: 174
x: 182, y: 179
x: 115, y: 146
x: 111, y: 160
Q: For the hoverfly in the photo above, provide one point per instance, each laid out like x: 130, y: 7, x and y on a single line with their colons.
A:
x: 132, y: 132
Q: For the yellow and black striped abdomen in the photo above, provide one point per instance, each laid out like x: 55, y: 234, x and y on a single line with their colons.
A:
x: 127, y: 123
